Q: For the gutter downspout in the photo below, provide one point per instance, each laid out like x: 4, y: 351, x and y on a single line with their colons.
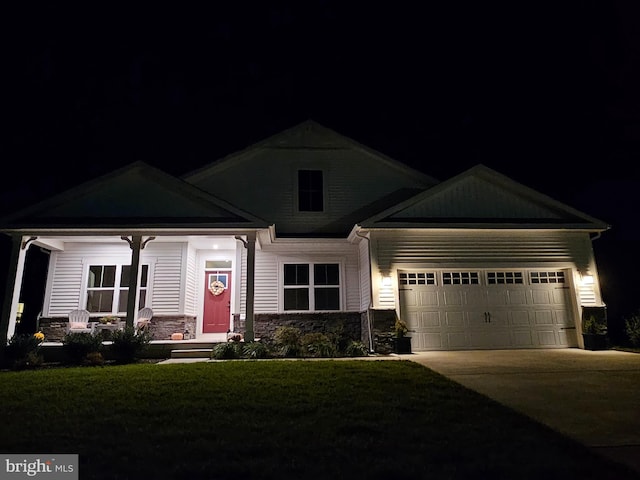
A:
x: 370, y: 307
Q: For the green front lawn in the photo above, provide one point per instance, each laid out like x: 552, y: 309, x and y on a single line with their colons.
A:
x: 279, y: 419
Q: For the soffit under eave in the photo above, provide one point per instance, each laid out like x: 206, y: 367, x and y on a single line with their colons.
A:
x: 600, y: 227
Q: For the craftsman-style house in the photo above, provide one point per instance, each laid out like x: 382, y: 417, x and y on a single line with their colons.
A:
x: 310, y: 228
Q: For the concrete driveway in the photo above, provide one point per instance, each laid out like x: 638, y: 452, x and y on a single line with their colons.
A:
x: 592, y: 397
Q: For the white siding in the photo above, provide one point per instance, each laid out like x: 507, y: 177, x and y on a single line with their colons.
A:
x: 169, y: 272
x: 243, y: 281
x: 64, y: 288
x: 352, y: 179
x: 407, y: 249
x: 190, y: 288
x: 365, y: 275
x: 269, y: 278
x: 66, y: 274
x: 266, y: 282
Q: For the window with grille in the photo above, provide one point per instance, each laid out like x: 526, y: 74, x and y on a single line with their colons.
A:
x: 108, y: 288
x: 502, y: 278
x: 310, y: 191
x: 546, y: 277
x: 311, y: 286
x: 417, y: 278
x: 460, y: 278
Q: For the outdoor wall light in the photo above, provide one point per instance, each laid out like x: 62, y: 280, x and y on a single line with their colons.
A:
x: 587, y: 278
x: 386, y: 281
x: 19, y: 312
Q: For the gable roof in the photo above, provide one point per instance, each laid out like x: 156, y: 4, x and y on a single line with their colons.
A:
x: 482, y: 198
x: 137, y: 195
x: 307, y: 135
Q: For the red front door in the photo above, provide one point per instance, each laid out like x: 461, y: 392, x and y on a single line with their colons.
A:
x: 217, y: 302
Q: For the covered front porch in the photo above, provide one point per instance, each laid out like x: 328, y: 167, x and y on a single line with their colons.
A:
x: 175, y: 277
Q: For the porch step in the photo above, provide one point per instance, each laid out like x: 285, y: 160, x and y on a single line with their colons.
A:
x: 191, y: 353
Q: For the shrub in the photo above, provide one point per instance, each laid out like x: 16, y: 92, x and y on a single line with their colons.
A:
x: 255, y: 350
x: 128, y: 344
x: 287, y: 341
x: 226, y: 351
x: 94, y: 358
x: 317, y: 345
x: 23, y: 351
x: 339, y: 338
x: 594, y: 326
x: 632, y: 329
x: 76, y: 346
x: 357, y: 349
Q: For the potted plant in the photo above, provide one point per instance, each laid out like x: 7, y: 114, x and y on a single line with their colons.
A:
x: 401, y: 343
x: 108, y: 320
x: 594, y: 330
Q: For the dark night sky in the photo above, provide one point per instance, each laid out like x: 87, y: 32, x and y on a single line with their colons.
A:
x: 546, y: 93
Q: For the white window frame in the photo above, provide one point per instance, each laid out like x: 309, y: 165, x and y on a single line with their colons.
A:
x: 311, y: 287
x: 117, y: 288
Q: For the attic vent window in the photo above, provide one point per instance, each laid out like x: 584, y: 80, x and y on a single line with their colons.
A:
x: 310, y: 191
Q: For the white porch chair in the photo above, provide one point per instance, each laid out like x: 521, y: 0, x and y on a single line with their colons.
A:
x: 79, y: 322
x: 143, y: 321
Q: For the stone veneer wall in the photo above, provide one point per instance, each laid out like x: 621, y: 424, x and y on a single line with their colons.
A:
x: 383, y: 322
x: 265, y: 324
x: 161, y: 328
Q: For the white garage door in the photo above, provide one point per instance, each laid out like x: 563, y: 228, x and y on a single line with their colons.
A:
x: 482, y: 309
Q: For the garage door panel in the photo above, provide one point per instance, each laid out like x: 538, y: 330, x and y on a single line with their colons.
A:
x: 455, y: 319
x: 559, y: 295
x: 428, y: 299
x: 520, y: 318
x: 452, y: 298
x: 429, y: 319
x: 517, y: 297
x: 411, y: 318
x: 543, y: 317
x: 547, y: 338
x: 497, y: 298
x: 523, y: 338
x: 474, y: 296
x: 409, y: 297
x: 542, y: 297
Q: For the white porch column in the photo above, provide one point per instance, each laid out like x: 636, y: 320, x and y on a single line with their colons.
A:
x: 250, y: 245
x: 249, y: 334
x: 12, y: 288
x: 136, y: 244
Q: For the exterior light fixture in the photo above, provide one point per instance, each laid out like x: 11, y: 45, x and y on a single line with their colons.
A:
x: 19, y: 312
x: 587, y: 278
x: 386, y: 281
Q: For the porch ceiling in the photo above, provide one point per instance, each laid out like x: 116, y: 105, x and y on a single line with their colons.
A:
x: 203, y: 242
